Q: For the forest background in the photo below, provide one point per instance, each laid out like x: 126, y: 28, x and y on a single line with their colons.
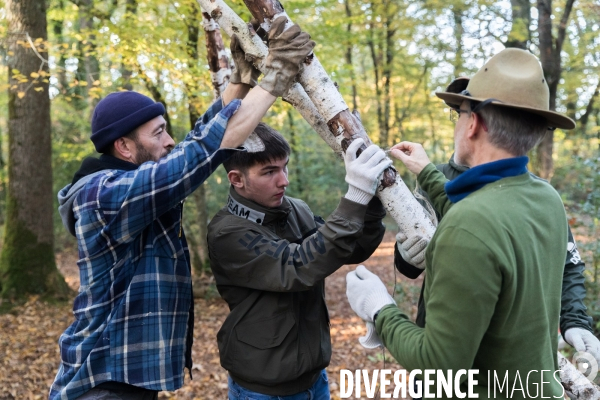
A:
x: 388, y: 58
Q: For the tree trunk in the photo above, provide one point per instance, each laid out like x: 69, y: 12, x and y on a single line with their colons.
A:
x: 88, y: 46
x: 126, y: 72
x: 295, y: 156
x: 157, y: 96
x: 459, y: 31
x: 57, y: 27
x: 387, y: 77
x: 349, y: 48
x: 372, y: 42
x: 589, y: 110
x: 550, y: 50
x: 323, y: 95
x: 27, y: 261
x: 84, y: 27
x: 218, y: 63
x: 520, y: 33
x: 381, y: 45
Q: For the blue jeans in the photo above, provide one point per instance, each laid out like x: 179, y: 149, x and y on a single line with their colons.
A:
x: 318, y: 391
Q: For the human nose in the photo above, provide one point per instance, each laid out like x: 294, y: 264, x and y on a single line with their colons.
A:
x: 283, y: 179
x: 170, y: 143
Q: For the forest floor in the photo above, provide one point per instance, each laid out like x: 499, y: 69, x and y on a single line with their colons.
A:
x: 29, y: 353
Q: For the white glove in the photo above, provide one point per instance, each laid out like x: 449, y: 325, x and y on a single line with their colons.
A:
x: 254, y: 144
x: 371, y: 340
x: 584, y: 340
x: 363, y: 172
x: 412, y: 250
x: 366, y: 293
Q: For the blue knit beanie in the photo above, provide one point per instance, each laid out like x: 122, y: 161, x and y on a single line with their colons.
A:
x: 120, y: 113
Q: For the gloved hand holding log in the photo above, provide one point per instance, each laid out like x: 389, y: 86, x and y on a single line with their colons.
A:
x: 324, y: 109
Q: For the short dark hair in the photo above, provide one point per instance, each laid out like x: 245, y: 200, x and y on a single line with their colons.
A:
x: 276, y: 148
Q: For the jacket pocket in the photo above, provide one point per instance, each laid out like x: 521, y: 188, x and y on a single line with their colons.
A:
x: 266, y: 350
x: 266, y: 333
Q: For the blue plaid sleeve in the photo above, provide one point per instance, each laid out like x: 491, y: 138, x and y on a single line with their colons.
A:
x: 131, y: 200
x: 210, y: 113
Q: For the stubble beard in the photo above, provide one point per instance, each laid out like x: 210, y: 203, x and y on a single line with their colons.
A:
x: 143, y: 155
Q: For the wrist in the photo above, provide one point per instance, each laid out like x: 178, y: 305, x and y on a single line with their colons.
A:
x: 276, y: 82
x: 358, y: 195
x: 235, y: 76
x: 375, y: 316
x: 378, y: 312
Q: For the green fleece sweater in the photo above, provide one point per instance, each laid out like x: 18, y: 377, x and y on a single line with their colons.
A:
x: 493, y: 288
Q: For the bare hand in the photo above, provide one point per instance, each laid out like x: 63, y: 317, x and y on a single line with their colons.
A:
x: 412, y: 155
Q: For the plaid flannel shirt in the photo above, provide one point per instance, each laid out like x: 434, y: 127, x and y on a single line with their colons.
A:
x: 135, y: 297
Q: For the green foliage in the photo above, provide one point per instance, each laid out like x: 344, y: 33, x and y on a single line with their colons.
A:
x: 578, y: 181
x: 388, y: 57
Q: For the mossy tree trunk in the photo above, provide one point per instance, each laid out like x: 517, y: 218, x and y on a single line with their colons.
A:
x: 27, y: 263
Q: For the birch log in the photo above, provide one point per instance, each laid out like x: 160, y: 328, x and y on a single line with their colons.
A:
x: 322, y: 106
x: 397, y: 199
x: 574, y: 382
x: 218, y: 63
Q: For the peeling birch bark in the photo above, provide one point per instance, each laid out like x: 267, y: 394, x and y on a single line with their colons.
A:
x: 218, y: 62
x: 326, y: 102
x: 575, y: 382
x: 254, y: 47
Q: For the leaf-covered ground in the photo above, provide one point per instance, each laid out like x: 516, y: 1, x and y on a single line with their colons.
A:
x: 29, y: 352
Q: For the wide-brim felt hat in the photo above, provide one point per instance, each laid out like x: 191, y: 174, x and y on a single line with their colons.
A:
x: 513, y: 78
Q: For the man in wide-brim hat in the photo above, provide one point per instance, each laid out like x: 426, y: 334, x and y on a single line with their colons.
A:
x: 495, y: 264
x: 409, y: 258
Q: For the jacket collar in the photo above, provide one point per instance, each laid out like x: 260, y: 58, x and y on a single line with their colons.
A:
x: 479, y: 176
x: 92, y: 165
x: 252, y: 211
x: 454, y: 165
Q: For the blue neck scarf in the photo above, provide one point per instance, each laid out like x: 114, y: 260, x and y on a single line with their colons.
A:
x: 479, y: 176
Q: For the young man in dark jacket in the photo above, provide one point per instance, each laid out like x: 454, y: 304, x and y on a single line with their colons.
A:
x: 270, y: 256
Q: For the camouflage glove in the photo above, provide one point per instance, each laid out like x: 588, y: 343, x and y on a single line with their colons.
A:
x: 243, y: 70
x: 287, y: 51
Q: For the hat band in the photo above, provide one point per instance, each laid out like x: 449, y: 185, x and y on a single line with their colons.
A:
x: 484, y: 103
x: 481, y: 104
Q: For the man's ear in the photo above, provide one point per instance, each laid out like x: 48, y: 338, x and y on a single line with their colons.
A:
x: 236, y: 178
x: 476, y: 126
x: 123, y: 148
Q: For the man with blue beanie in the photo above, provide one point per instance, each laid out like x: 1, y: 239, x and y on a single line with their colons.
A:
x: 132, y: 334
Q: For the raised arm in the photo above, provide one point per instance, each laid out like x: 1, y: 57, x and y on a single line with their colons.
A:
x: 287, y: 50
x: 239, y: 249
